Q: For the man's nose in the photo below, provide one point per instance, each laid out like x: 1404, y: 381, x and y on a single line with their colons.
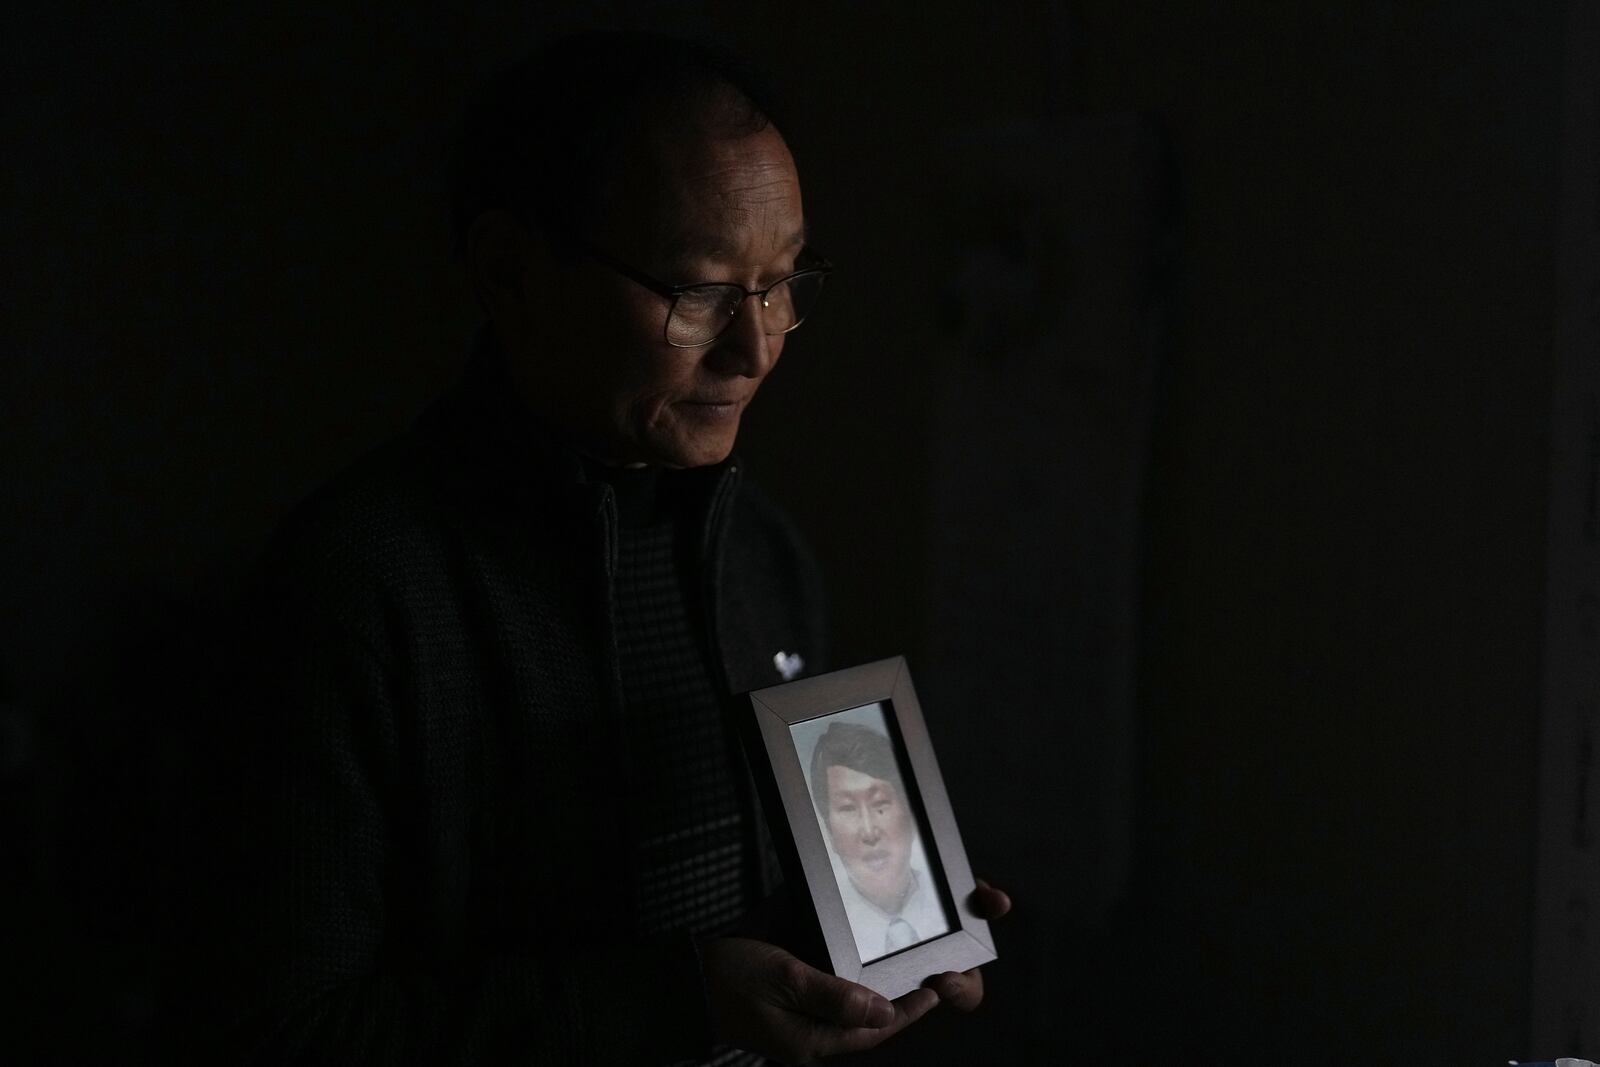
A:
x: 744, y: 348
x: 871, y: 827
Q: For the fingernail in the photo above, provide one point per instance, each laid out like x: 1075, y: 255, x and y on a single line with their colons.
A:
x: 880, y: 1013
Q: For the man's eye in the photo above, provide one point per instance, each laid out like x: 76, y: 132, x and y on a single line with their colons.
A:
x: 698, y: 301
x: 713, y: 295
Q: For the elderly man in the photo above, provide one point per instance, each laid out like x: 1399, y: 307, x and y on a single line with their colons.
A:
x: 497, y: 815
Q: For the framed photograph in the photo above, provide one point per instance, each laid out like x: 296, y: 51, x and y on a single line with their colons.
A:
x: 860, y: 816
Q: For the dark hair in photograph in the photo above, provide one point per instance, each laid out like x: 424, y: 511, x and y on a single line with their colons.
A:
x: 848, y: 744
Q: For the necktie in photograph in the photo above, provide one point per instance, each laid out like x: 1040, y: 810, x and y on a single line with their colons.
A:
x: 901, y: 934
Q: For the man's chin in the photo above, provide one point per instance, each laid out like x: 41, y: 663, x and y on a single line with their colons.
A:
x: 700, y: 451
x: 879, y: 890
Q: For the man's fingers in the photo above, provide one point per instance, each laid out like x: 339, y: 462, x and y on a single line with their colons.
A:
x: 987, y: 902
x: 907, y: 1010
x: 961, y: 991
x: 836, y: 1001
x: 911, y: 1007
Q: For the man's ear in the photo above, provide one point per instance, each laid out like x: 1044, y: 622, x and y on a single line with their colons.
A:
x: 499, y: 254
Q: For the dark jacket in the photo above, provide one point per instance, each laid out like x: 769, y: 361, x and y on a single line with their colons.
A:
x: 432, y: 848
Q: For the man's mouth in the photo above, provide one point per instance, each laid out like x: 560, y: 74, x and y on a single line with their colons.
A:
x: 876, y: 859
x: 713, y: 398
x: 711, y: 407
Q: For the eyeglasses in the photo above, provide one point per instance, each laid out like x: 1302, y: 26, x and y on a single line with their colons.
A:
x: 702, y: 313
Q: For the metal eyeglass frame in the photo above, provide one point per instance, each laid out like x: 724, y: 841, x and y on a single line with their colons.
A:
x: 673, y: 292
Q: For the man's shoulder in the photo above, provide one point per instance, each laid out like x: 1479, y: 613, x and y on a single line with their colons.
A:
x: 394, y: 517
x: 385, y: 499
x: 407, y: 514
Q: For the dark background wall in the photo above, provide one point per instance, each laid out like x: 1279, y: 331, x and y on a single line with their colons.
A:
x: 1347, y: 542
x: 227, y: 275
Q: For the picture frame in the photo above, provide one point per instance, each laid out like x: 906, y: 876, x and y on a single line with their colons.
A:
x: 880, y: 857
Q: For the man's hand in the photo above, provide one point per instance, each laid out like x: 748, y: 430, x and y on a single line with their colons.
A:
x: 767, y: 1001
x: 964, y: 990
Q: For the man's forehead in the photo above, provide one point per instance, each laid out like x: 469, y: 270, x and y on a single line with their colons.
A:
x: 680, y: 244
x: 849, y: 780
x: 705, y: 195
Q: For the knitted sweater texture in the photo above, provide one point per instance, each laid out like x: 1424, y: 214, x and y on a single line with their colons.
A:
x: 428, y: 863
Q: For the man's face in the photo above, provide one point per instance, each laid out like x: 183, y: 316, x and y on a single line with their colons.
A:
x: 872, y: 831
x: 685, y: 204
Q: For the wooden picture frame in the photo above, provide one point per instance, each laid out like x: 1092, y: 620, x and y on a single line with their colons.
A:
x: 846, y: 841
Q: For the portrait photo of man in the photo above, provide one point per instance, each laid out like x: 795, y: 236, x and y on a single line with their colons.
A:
x: 873, y: 839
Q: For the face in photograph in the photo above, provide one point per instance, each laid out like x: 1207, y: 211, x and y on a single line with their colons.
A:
x: 862, y: 805
x: 871, y: 828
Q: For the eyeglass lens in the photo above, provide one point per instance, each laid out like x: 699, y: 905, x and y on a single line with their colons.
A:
x: 703, y: 312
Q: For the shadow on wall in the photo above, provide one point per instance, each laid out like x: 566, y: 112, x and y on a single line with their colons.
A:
x: 1062, y: 246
